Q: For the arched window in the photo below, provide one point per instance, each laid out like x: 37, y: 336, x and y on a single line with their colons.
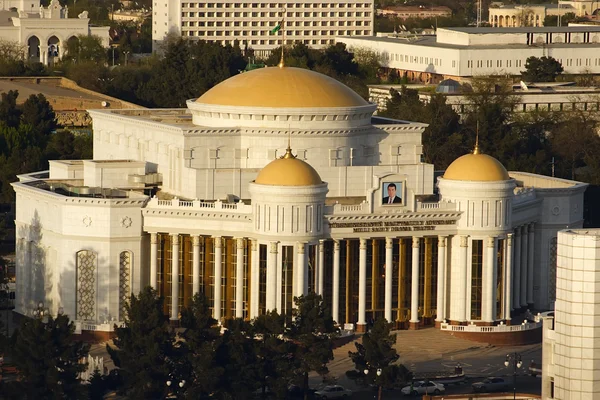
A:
x: 87, y: 265
x: 124, y: 282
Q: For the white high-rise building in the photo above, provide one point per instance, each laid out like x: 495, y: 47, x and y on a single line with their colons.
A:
x: 315, y: 23
x: 571, y: 348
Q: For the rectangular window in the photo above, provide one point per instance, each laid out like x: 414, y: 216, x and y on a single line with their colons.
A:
x: 499, y: 284
x: 476, y: 278
x: 262, y: 285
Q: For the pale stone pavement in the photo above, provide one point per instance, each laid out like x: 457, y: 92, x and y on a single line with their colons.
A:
x: 431, y: 350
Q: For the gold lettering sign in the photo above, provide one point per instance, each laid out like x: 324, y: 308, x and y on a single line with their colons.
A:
x: 392, y: 226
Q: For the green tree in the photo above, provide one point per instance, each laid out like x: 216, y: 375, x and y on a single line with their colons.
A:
x: 48, y: 359
x: 488, y: 111
x: 143, y: 347
x: 541, y: 69
x: 86, y: 48
x: 313, y: 331
x: 273, y: 365
x: 376, y: 355
x: 200, y: 339
x: 10, y: 114
x: 96, y: 386
x: 65, y: 145
x: 236, y: 357
x: 188, y: 70
x: 575, y: 142
x: 565, y: 19
x: 39, y: 114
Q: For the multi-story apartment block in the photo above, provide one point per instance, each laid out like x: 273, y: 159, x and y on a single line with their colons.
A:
x: 315, y: 23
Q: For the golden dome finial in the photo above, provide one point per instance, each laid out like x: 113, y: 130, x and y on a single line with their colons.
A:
x: 288, y: 151
x: 476, y: 149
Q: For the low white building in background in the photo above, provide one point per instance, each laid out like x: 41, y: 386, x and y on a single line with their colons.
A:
x: 45, y: 31
x: 465, y: 52
x: 212, y: 198
x: 516, y: 15
x: 555, y: 96
x: 571, y: 337
x: 314, y: 23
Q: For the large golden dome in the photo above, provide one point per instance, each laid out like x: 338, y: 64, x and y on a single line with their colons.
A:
x: 284, y: 87
x: 476, y: 167
x: 288, y: 171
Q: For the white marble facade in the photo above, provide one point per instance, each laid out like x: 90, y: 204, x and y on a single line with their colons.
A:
x: 571, y: 350
x: 45, y: 31
x: 164, y: 194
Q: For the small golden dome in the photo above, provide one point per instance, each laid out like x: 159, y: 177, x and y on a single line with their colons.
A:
x: 284, y: 87
x: 288, y: 171
x: 476, y: 167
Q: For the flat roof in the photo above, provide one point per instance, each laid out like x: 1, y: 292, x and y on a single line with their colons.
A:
x: 430, y: 41
x: 523, y: 29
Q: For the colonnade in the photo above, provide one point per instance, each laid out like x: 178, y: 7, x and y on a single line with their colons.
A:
x: 516, y: 20
x: 495, y: 277
x: 523, y: 262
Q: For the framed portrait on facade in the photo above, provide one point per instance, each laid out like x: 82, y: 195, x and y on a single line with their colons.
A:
x: 392, y: 193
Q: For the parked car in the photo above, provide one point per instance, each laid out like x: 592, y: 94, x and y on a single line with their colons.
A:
x: 333, y: 392
x: 423, y: 387
x: 491, y: 385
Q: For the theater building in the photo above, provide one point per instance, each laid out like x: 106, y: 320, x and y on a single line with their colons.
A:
x: 279, y: 182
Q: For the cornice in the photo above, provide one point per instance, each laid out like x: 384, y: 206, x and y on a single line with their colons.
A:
x: 77, y: 201
x: 197, y: 214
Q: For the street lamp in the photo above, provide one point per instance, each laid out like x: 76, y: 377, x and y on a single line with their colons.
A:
x: 515, y: 360
x: 378, y: 372
x: 171, y: 382
x: 40, y: 311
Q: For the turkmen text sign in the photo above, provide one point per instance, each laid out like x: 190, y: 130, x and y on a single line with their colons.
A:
x: 392, y: 226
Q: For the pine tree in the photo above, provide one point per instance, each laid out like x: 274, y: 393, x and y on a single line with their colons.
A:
x: 48, y: 359
x: 200, y: 340
x: 235, y: 356
x: 313, y: 330
x: 273, y: 364
x: 376, y: 355
x: 144, y: 347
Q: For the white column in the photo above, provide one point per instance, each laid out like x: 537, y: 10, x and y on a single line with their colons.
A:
x: 239, y: 279
x: 487, y: 306
x: 517, y: 270
x: 278, y: 281
x: 307, y: 248
x: 508, y: 276
x: 271, y: 297
x: 299, y: 270
x: 441, y: 282
x: 153, y: 260
x: 362, y: 282
x: 530, y: 250
x: 321, y: 268
x: 389, y: 253
x: 196, y: 264
x: 174, y: 277
x: 335, y: 303
x: 218, y: 278
x: 254, y: 280
x: 414, y: 291
x: 524, y: 266
x: 458, y: 304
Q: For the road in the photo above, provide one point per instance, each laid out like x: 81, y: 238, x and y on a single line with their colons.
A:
x: 525, y: 384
